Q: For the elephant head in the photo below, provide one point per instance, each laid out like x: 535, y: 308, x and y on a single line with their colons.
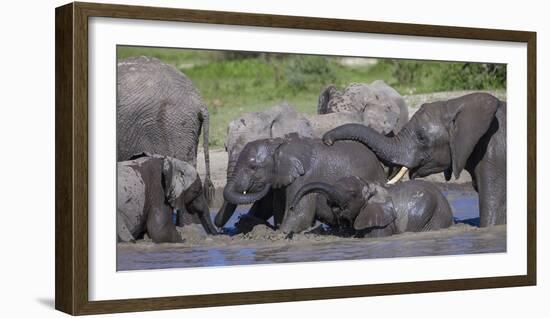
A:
x: 182, y: 188
x: 262, y: 165
x: 440, y: 137
x: 354, y: 202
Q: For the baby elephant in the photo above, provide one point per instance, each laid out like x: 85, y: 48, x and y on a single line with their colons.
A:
x: 379, y: 210
x: 149, y: 188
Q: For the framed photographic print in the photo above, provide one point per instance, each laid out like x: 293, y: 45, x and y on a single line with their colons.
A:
x: 211, y: 158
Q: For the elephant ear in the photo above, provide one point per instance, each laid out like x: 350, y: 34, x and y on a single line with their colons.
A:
x: 288, y: 168
x: 177, y: 176
x: 378, y: 211
x: 470, y: 122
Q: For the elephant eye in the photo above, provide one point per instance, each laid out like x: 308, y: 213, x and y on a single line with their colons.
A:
x: 422, y: 138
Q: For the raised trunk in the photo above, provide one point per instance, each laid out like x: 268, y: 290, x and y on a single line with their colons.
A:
x: 231, y: 195
x: 325, y: 189
x: 388, y: 149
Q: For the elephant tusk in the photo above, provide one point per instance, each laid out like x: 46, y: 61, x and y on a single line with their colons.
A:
x: 399, y: 175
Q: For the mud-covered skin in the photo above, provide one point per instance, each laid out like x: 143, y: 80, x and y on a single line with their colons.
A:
x: 468, y: 133
x: 149, y: 188
x: 160, y: 111
x: 274, y: 122
x: 376, y: 210
x: 284, y: 165
x: 379, y: 106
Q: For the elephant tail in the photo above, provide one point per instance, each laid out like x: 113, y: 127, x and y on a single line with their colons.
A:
x: 208, y: 187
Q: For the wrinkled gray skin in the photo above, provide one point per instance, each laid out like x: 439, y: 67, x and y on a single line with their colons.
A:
x: 323, y: 123
x: 149, y: 188
x: 274, y: 122
x: 160, y: 111
x: 468, y: 133
x: 280, y: 166
x: 381, y: 210
x: 380, y: 106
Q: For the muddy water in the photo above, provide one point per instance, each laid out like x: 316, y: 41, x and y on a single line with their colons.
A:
x: 263, y: 245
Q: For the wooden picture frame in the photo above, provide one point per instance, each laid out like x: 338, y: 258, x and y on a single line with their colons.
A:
x: 71, y: 221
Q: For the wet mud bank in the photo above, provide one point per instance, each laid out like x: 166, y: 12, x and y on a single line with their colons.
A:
x: 264, y: 246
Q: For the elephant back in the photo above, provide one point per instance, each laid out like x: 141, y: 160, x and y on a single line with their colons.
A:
x: 325, y: 122
x: 130, y: 198
x: 381, y: 107
x: 158, y: 110
x: 274, y: 122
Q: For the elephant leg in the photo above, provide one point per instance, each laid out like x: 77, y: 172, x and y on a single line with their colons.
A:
x: 122, y: 231
x: 491, y: 186
x: 181, y: 215
x: 263, y: 208
x: 324, y: 212
x: 301, y: 217
x: 259, y: 213
x: 160, y: 227
x: 279, y: 206
x: 185, y: 218
x: 381, y: 232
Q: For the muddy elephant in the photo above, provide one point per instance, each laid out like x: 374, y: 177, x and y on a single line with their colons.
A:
x: 376, y: 209
x: 281, y: 166
x: 149, y: 188
x: 160, y: 111
x: 467, y: 132
x: 380, y: 106
x: 274, y: 122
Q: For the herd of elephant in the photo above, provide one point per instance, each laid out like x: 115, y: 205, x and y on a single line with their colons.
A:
x: 341, y: 167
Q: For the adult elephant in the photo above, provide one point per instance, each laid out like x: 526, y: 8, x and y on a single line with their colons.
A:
x: 281, y: 166
x: 380, y: 210
x: 149, y: 188
x: 160, y: 111
x: 380, y: 106
x: 467, y: 132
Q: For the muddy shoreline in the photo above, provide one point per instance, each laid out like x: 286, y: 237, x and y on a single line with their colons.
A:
x: 264, y: 246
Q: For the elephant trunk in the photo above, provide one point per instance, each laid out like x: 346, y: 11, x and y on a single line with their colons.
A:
x: 392, y: 150
x: 206, y: 223
x: 332, y: 195
x: 233, y: 196
x: 227, y: 209
x: 225, y: 213
x: 199, y: 206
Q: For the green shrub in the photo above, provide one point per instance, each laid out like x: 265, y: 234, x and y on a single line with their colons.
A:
x: 305, y: 71
x: 421, y: 76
